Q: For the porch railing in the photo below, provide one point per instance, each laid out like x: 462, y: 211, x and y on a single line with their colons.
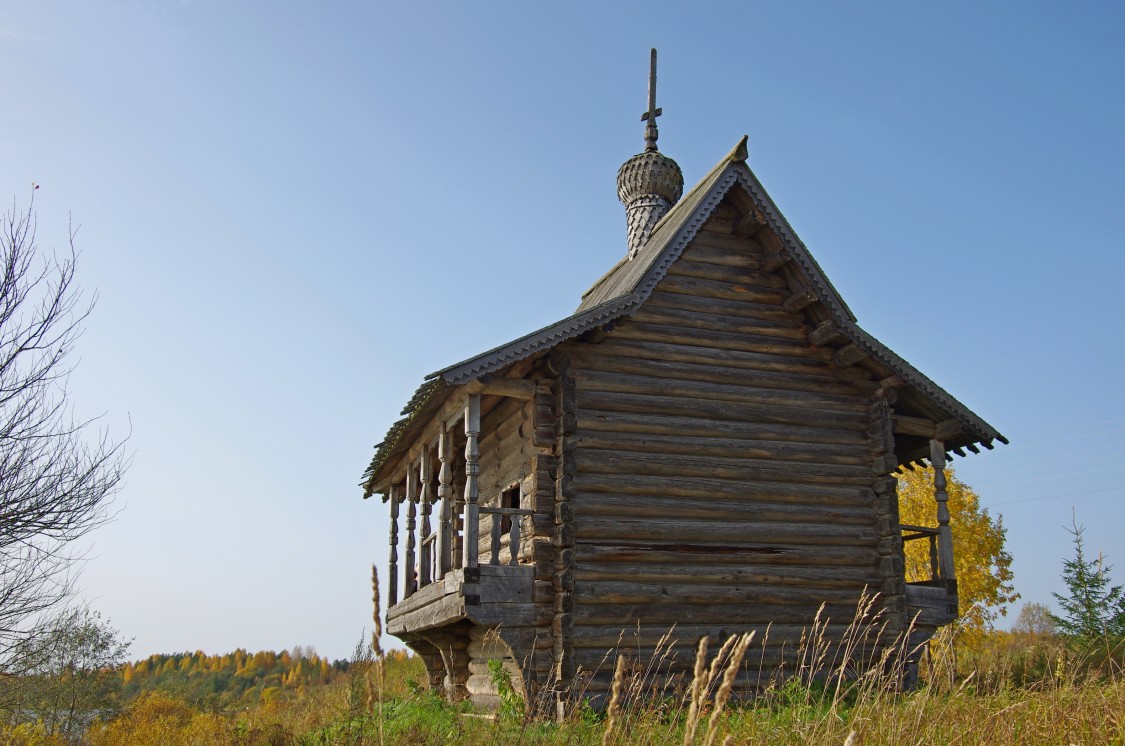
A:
x: 913, y: 533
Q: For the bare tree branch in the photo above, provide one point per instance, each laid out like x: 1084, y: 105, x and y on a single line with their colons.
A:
x: 57, y: 474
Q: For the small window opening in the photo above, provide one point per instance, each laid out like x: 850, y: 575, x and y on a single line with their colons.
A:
x: 509, y: 498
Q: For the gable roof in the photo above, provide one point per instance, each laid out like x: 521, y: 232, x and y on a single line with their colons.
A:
x: 628, y: 283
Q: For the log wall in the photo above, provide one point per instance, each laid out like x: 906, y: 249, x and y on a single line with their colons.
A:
x: 720, y: 472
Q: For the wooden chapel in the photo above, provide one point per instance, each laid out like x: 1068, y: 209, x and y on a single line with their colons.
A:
x: 708, y: 442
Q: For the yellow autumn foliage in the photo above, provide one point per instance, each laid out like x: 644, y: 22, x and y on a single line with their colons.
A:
x: 983, y: 564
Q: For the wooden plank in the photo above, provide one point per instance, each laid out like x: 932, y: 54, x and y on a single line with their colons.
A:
x: 446, y: 610
x: 510, y: 387
x: 904, y: 425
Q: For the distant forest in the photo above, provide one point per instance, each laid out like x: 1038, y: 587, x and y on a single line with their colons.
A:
x: 231, y: 681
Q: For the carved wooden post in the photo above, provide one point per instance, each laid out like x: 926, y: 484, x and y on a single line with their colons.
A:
x: 495, y: 537
x: 424, y: 563
x: 514, y: 540
x: 472, y: 471
x: 445, y: 494
x: 411, y: 581
x: 945, y: 542
x: 392, y: 588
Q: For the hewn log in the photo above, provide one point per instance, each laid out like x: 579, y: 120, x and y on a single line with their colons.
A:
x: 725, y: 614
x: 850, y: 354
x: 640, y: 556
x: 659, y: 506
x: 825, y: 333
x: 774, y: 261
x: 791, y: 351
x: 681, y: 568
x: 749, y: 225
x: 905, y: 425
x: 813, y: 494
x: 733, y: 308
x: 627, y: 463
x: 851, y: 455
x: 947, y: 430
x: 600, y: 420
x: 800, y: 300
x: 636, y: 383
x: 724, y: 290
x: 589, y: 528
x: 729, y: 243
x: 747, y: 259
x: 672, y: 406
x: 605, y: 593
x: 715, y: 322
x: 511, y: 387
x: 718, y: 371
x: 686, y: 637
x: 734, y: 275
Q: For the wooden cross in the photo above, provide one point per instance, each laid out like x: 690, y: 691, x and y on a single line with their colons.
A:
x: 653, y: 112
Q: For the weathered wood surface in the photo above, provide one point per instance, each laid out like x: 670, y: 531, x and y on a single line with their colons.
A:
x: 725, y: 474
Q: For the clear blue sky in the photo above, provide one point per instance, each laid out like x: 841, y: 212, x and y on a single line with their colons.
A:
x: 292, y: 212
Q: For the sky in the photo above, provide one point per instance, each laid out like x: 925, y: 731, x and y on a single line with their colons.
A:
x: 291, y: 212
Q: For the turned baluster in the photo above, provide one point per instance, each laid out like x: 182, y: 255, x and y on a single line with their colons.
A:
x: 392, y: 588
x: 445, y: 495
x: 472, y: 471
x: 945, y: 533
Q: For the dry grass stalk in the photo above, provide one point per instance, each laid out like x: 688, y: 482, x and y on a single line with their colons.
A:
x: 698, y: 690
x: 614, y: 700
x: 729, y: 676
x: 376, y: 650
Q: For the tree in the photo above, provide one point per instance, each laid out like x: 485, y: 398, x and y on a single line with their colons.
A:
x: 1034, y: 620
x: 75, y: 677
x: 1092, y: 608
x: 982, y: 564
x: 56, y: 476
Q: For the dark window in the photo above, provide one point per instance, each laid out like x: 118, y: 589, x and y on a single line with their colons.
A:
x: 509, y: 498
